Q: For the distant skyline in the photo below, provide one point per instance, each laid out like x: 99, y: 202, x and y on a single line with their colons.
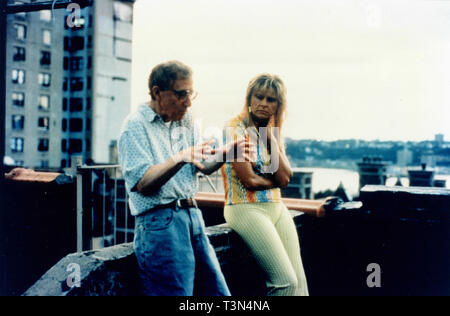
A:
x: 354, y: 69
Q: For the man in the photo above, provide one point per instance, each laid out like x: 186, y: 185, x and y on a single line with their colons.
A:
x: 160, y: 156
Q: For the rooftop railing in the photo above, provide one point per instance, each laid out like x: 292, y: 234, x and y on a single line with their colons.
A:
x: 103, y: 216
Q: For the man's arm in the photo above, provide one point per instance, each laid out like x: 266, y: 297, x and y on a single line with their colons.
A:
x: 243, y: 149
x: 158, y: 175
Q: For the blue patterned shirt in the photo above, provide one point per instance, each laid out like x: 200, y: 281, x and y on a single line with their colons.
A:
x: 145, y: 140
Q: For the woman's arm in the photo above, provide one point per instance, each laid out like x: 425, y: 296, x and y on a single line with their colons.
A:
x: 283, y: 174
x: 250, y: 179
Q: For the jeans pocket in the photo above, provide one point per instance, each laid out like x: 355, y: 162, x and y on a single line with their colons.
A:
x: 158, y: 220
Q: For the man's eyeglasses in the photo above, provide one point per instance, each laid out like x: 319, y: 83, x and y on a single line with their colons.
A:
x: 183, y: 95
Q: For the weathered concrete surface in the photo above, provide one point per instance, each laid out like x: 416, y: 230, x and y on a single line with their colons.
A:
x: 113, y: 271
x: 110, y: 271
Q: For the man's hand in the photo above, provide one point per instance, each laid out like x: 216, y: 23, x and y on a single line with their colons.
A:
x: 194, y: 155
x: 241, y: 150
x: 205, y: 158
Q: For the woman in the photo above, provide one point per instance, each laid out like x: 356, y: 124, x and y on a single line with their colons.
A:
x: 253, y: 205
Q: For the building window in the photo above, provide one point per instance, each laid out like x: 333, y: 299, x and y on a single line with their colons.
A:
x: 65, y: 84
x: 66, y: 63
x: 18, y: 98
x: 89, y: 63
x: 18, y: 122
x: 77, y: 43
x: 66, y: 43
x: 43, y: 144
x: 76, y: 63
x: 63, y: 163
x: 19, y: 163
x: 64, y: 125
x: 21, y: 31
x: 46, y: 58
x: 76, y: 125
x: 123, y: 12
x: 307, y: 193
x: 88, y: 103
x: 44, y: 102
x: 64, y: 106
x: 18, y: 76
x: 21, y: 16
x: 75, y: 146
x: 19, y: 54
x: 89, y: 83
x: 64, y: 145
x: 17, y: 145
x: 43, y: 123
x: 44, y: 164
x: 47, y: 37
x: 44, y: 79
x: 45, y: 15
x: 73, y: 44
x: 76, y: 84
x: 76, y: 104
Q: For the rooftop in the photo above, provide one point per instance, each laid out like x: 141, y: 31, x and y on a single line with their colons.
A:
x: 402, y: 230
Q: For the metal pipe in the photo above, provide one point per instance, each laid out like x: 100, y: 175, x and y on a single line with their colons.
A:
x: 115, y: 206
x: 2, y: 90
x: 79, y: 212
x: 126, y: 217
x: 95, y: 167
x: 104, y: 206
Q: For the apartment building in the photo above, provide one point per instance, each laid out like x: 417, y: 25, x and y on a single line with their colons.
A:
x: 67, y: 83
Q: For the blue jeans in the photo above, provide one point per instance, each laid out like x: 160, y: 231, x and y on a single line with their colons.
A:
x: 175, y: 256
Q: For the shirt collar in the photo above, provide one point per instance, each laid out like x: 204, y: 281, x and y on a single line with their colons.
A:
x: 149, y: 113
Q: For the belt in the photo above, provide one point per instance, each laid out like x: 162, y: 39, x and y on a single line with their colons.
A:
x: 187, y: 203
x: 184, y: 203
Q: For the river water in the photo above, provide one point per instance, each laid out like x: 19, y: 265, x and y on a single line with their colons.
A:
x: 329, y: 179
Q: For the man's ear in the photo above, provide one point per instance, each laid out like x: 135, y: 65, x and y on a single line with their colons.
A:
x: 156, y: 91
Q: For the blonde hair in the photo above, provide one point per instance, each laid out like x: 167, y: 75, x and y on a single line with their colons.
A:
x: 263, y: 83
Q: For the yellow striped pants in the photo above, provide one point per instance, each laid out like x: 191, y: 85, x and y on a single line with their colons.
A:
x: 270, y: 233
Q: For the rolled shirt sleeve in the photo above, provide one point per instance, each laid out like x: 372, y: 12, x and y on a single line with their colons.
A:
x: 134, y: 158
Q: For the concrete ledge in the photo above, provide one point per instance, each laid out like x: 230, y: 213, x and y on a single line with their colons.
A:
x: 28, y: 175
x: 413, y: 203
x: 109, y: 271
x: 113, y: 271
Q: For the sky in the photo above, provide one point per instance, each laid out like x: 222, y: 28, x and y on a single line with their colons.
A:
x: 353, y: 68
